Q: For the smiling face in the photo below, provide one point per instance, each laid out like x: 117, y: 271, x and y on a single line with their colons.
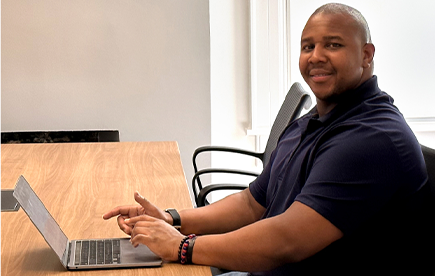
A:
x: 334, y: 57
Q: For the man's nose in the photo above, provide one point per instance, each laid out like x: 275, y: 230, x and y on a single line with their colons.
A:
x: 317, y: 55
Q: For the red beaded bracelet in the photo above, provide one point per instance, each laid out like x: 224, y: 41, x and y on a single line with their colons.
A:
x: 186, y: 248
x: 190, y: 249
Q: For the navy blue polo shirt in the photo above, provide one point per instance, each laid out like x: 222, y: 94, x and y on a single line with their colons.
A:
x: 360, y: 166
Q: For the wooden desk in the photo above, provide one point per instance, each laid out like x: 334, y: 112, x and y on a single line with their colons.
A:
x: 78, y: 183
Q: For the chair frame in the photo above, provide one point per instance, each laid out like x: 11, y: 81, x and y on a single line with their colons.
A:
x: 303, y: 101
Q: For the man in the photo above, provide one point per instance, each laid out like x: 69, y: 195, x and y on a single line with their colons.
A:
x: 343, y: 194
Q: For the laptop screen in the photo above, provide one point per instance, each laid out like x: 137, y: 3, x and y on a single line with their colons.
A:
x: 40, y: 217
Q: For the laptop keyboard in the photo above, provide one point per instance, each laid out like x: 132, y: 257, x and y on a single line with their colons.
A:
x: 95, y: 252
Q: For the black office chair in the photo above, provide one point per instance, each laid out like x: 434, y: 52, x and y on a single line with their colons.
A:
x: 429, y: 158
x: 296, y: 99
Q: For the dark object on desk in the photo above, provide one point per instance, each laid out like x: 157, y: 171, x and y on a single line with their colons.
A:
x: 79, y: 136
x: 9, y: 203
x: 297, y: 99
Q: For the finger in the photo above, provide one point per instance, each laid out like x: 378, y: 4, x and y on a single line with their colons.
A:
x: 141, y: 200
x: 134, y: 220
x: 140, y: 228
x: 120, y: 210
x: 123, y: 226
x: 138, y: 239
x: 111, y: 213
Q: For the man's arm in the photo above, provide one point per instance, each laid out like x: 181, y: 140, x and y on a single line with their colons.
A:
x: 297, y: 234
x: 252, y: 244
x: 231, y: 213
x: 228, y: 214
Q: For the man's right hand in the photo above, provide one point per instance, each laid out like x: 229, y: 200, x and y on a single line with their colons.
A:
x: 130, y: 211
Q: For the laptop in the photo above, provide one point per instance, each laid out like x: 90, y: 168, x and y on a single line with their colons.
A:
x: 81, y: 254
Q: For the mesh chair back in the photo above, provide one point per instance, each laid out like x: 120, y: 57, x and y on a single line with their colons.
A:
x: 296, y: 99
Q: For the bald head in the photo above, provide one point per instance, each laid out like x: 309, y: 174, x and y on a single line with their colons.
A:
x: 358, y: 18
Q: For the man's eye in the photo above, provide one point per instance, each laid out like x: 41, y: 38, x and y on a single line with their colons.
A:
x: 307, y: 47
x: 334, y: 45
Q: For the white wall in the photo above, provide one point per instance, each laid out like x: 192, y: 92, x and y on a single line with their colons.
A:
x: 142, y: 67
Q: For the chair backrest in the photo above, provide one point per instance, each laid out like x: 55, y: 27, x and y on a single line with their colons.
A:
x: 296, y: 99
x: 429, y: 158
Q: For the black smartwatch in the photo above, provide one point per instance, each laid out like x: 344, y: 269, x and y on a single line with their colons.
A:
x: 175, y: 218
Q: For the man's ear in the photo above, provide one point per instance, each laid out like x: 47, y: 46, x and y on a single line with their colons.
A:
x: 369, y: 53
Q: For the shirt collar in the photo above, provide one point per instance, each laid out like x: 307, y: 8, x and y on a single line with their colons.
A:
x: 350, y: 99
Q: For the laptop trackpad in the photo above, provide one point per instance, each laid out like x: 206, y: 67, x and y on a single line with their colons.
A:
x: 140, y: 254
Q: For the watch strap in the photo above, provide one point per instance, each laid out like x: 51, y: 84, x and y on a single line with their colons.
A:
x: 175, y: 217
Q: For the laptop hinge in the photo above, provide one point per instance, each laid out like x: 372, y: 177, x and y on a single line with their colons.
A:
x: 66, y: 255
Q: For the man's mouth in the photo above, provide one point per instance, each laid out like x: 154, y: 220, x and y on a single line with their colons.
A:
x: 319, y: 75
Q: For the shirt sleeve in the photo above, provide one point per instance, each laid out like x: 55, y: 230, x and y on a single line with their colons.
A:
x: 354, y: 176
x: 258, y: 187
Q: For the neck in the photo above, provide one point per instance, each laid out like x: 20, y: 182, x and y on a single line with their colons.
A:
x: 324, y: 108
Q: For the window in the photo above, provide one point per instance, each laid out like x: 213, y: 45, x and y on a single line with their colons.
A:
x: 270, y: 78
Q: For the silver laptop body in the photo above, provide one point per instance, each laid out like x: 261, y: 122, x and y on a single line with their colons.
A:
x: 117, y: 253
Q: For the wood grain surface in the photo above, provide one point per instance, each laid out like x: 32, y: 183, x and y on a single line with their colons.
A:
x: 78, y: 183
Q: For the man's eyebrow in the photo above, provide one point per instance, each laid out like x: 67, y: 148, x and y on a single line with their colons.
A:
x: 325, y: 38
x: 332, y: 37
x: 306, y: 40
